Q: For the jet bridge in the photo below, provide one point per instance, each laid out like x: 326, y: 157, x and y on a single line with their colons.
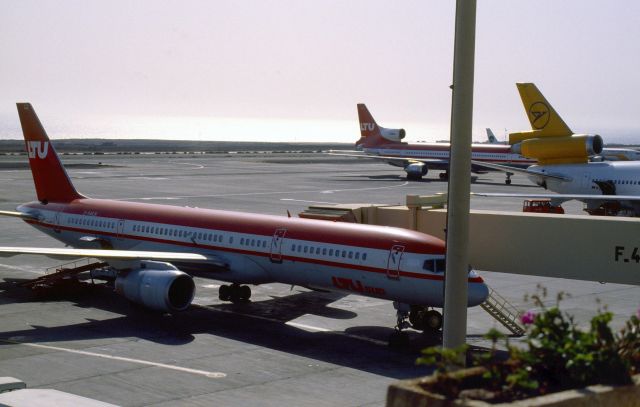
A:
x: 581, y: 247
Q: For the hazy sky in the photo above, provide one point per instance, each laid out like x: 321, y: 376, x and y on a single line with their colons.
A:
x: 317, y: 59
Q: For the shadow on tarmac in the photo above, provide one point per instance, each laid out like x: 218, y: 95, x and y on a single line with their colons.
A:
x: 261, y: 323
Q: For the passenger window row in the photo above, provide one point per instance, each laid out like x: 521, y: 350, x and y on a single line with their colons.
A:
x: 253, y: 242
x: 92, y: 222
x: 323, y: 251
x: 174, y: 232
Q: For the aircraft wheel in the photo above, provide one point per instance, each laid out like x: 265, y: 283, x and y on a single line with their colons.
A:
x: 224, y: 293
x: 507, y: 181
x: 239, y: 293
x: 417, y: 318
x: 432, y: 320
x: 244, y: 292
x: 398, y: 340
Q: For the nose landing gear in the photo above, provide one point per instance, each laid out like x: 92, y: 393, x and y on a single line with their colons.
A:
x: 235, y: 293
x: 418, y: 317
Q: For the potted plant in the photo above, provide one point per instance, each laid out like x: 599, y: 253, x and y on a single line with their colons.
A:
x: 556, y: 357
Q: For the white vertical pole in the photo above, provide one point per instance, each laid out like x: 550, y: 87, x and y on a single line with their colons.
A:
x: 455, y: 300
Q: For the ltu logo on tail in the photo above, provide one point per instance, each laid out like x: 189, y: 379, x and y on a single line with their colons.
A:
x: 39, y: 148
x: 367, y: 126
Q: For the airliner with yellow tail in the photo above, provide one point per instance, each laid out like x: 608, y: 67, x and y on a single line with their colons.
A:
x: 563, y: 160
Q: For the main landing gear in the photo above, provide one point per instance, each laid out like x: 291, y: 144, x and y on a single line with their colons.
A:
x: 508, y: 180
x: 417, y: 317
x: 235, y: 293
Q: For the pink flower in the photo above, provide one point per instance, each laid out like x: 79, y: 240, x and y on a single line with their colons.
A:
x: 528, y: 317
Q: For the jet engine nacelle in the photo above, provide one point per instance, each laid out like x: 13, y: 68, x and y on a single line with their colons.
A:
x: 557, y: 150
x: 393, y: 134
x: 416, y: 170
x: 157, y: 285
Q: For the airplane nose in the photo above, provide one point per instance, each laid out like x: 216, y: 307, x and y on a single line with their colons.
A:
x: 478, y: 293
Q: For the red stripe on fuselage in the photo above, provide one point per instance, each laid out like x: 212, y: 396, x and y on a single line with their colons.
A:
x: 246, y: 252
x: 351, y: 234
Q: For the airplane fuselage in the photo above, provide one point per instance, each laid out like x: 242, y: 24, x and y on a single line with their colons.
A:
x: 499, y: 154
x: 625, y: 176
x: 376, y: 261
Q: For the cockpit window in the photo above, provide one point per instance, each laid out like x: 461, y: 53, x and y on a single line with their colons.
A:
x: 435, y: 265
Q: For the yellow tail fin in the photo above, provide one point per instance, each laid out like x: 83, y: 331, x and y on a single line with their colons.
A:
x: 544, y: 120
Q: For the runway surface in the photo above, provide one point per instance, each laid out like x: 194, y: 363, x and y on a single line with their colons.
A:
x: 288, y: 346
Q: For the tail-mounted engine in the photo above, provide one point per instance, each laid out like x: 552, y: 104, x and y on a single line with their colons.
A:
x: 393, y: 134
x: 557, y: 150
x: 157, y: 285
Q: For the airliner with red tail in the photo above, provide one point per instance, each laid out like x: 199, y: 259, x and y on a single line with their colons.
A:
x: 380, y: 143
x: 153, y: 250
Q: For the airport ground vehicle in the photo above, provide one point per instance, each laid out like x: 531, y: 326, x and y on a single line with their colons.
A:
x: 541, y: 206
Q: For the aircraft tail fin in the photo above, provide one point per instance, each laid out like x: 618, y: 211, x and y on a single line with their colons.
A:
x: 542, y: 116
x: 491, y: 137
x: 369, y: 130
x: 49, y: 176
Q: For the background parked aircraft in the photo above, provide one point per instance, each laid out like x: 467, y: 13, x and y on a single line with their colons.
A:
x: 564, y: 165
x: 380, y: 143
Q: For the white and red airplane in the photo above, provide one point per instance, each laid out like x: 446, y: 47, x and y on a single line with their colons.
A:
x: 154, y: 249
x: 377, y: 142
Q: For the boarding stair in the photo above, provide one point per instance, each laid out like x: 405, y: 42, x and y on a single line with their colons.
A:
x: 504, y: 312
x: 64, y: 271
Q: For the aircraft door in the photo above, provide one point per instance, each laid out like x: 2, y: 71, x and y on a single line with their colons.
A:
x: 276, y: 245
x: 120, y: 230
x: 586, y: 182
x: 56, y: 222
x: 393, y: 262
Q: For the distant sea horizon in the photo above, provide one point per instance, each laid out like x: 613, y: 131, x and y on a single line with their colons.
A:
x: 256, y: 130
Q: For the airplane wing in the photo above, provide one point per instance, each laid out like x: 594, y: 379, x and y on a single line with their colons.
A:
x: 18, y: 215
x: 524, y: 171
x: 432, y: 161
x: 580, y: 197
x: 114, y: 255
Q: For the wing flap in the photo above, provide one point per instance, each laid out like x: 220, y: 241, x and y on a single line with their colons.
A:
x: 409, y: 160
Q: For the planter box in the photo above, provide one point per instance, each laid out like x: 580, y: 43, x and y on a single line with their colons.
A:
x: 409, y: 393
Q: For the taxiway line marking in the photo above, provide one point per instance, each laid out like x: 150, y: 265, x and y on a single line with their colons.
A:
x: 307, y: 327
x: 11, y: 267
x: 295, y: 324
x: 213, y: 375
x: 305, y: 201
x: 197, y: 166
